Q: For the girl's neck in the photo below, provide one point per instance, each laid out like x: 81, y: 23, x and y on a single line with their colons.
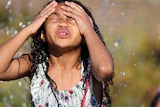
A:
x: 66, y: 60
x: 65, y: 70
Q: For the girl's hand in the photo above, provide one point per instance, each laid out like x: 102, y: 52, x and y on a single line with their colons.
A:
x: 75, y: 11
x: 41, y: 18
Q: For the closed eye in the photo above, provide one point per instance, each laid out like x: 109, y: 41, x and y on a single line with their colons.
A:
x: 54, y: 16
x: 70, y: 19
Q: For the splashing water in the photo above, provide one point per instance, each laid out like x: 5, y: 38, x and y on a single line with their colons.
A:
x: 8, y: 4
x: 132, y: 34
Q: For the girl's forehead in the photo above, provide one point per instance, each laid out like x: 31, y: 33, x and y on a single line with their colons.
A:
x: 59, y: 10
x: 59, y: 5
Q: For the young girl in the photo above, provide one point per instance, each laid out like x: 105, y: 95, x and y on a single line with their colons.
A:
x: 69, y: 65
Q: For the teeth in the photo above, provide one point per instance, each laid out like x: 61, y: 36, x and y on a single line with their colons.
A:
x: 63, y: 33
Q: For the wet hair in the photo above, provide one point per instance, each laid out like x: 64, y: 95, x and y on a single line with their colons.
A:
x: 40, y: 54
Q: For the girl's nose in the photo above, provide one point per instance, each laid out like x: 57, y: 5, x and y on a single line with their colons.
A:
x: 63, y: 23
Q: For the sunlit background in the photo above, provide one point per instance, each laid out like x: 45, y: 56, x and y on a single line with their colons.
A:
x: 131, y: 29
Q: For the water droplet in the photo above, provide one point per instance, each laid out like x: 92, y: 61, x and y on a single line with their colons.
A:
x: 20, y: 24
x: 30, y: 4
x: 8, y: 4
x: 116, y: 44
x: 4, y: 99
x: 11, y: 96
x: 122, y: 73
x: 23, y: 26
x: 112, y: 4
x: 11, y: 19
x: 143, y: 105
x: 10, y: 11
x: 7, y: 32
x: 29, y: 22
x: 19, y: 83
x: 24, y: 104
x: 134, y: 54
x: 122, y: 13
x: 15, y: 32
x: 24, y: 96
x: 125, y: 85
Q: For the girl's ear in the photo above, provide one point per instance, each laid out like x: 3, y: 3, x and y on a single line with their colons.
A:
x: 42, y: 37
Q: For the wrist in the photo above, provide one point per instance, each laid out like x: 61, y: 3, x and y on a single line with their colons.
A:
x: 29, y: 31
x: 26, y: 32
x: 89, y: 32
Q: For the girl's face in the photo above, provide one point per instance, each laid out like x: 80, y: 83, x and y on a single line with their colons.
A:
x: 62, y: 31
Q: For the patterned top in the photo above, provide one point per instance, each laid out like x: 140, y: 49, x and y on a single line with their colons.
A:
x: 43, y: 95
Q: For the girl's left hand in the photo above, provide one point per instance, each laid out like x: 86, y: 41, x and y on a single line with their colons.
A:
x: 75, y: 11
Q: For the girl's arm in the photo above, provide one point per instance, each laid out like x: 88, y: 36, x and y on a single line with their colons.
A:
x: 9, y: 66
x: 101, y: 60
x: 15, y: 68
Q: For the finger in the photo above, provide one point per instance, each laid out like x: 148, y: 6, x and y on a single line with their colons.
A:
x: 49, y: 7
x: 68, y: 9
x: 74, y: 15
x: 49, y: 12
x: 74, y: 6
x: 91, y: 21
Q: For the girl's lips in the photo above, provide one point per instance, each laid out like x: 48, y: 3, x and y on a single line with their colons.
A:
x: 63, y: 33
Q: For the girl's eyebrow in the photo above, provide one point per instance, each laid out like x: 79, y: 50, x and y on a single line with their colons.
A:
x: 55, y: 14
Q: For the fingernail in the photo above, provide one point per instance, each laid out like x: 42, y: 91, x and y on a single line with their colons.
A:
x: 53, y: 1
x: 62, y: 6
x: 66, y: 2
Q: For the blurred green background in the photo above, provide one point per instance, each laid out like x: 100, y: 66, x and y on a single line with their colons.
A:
x: 131, y: 29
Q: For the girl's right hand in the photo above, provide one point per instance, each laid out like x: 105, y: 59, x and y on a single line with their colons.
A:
x: 41, y: 18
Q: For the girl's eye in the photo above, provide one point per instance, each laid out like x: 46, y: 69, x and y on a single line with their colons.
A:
x: 70, y: 19
x: 54, y: 18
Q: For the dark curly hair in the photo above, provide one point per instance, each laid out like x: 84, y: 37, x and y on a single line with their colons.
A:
x: 40, y: 54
